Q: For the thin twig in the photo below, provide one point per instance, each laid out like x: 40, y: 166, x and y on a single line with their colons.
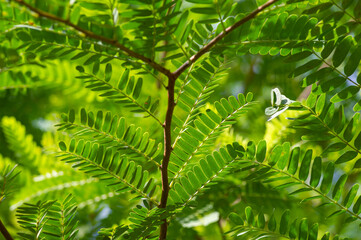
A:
x: 220, y: 36
x: 90, y: 34
x: 5, y: 232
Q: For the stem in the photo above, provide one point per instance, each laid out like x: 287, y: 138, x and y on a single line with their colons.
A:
x: 220, y: 16
x: 219, y: 223
x: 220, y: 36
x: 131, y: 99
x: 206, y: 138
x: 323, y: 195
x: 90, y: 34
x: 335, y: 69
x: 330, y: 130
x: 5, y: 232
x: 344, y: 11
x: 116, y: 139
x: 114, y: 175
x: 167, y: 152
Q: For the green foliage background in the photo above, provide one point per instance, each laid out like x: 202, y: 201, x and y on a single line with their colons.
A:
x: 233, y: 174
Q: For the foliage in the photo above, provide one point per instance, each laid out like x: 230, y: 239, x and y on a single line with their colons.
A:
x: 152, y: 119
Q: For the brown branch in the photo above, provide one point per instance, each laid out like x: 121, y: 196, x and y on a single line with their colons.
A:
x: 5, y: 232
x: 220, y: 36
x: 169, y: 114
x: 167, y: 152
x: 90, y: 34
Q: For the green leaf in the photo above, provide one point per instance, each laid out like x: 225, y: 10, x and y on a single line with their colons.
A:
x: 357, y: 141
x: 282, y: 162
x: 346, y: 3
x: 99, y: 120
x: 305, y: 165
x: 124, y: 79
x: 357, y: 164
x: 348, y: 134
x: 249, y: 97
x: 96, y: 68
x: 327, y: 178
x: 261, y: 151
x: 138, y: 88
x: 83, y: 116
x: 357, y: 206
x: 337, y: 191
x: 181, y: 192
x: 241, y: 98
x: 181, y: 24
x: 347, y: 156
x: 71, y: 115
x: 345, y: 94
x: 272, y: 224
x: 80, y: 69
x: 319, y: 75
x: 298, y: 56
x: 275, y: 155
x: 311, y: 100
x: 92, y: 59
x: 94, y: 6
x: 327, y: 50
x: 233, y: 101
x: 313, y: 232
x: 221, y: 110
x: 108, y: 72
x: 334, y: 147
x: 204, y: 10
x: 316, y: 172
x: 293, y: 230
x: 284, y: 222
x: 341, y: 51
x: 62, y: 146
x: 293, y: 164
x: 357, y: 106
x: 79, y: 55
x: 226, y: 106
x: 236, y: 219
x: 303, y: 229
x: 261, y: 222
x: 23, y: 36
x: 249, y: 215
x: 357, y: 10
x: 320, y: 104
x: 353, y: 61
x: 350, y: 196
x: 187, y: 185
x: 251, y: 150
x: 314, y: 63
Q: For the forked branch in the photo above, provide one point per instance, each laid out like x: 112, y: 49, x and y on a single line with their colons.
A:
x: 90, y: 34
x: 169, y: 114
x: 172, y: 77
x: 220, y: 36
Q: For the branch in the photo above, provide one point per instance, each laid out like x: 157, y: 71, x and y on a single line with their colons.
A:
x: 167, y: 152
x: 220, y: 36
x: 5, y: 232
x: 90, y: 34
